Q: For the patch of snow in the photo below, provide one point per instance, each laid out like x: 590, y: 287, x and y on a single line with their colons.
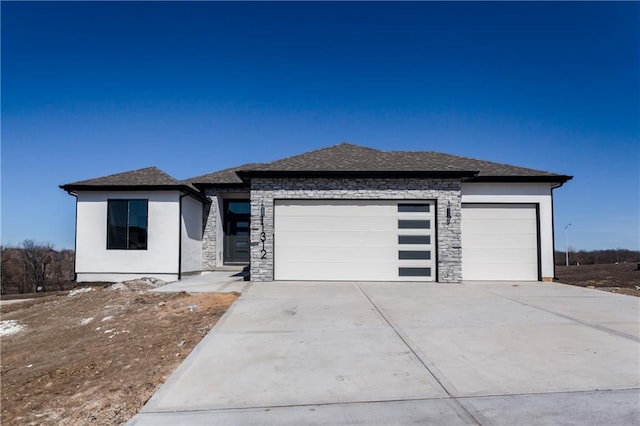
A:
x: 8, y: 327
x: 110, y: 317
x: 79, y: 291
x: 119, y: 287
x: 117, y: 332
x: 86, y: 321
x: 152, y: 282
x: 109, y: 331
x: 139, y: 284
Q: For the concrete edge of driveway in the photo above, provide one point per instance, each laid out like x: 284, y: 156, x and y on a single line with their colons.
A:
x: 610, y: 407
x: 151, y: 404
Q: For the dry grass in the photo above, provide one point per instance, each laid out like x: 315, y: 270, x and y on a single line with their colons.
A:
x: 97, y: 356
x: 621, y: 278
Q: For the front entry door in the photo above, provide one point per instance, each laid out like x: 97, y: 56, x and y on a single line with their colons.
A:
x: 237, y: 214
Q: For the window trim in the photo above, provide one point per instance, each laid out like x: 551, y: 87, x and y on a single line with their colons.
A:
x: 146, y: 224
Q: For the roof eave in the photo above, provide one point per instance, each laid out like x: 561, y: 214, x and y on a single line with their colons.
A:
x: 182, y: 188
x: 204, y: 185
x: 522, y: 179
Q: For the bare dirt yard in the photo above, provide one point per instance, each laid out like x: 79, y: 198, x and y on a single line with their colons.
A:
x: 621, y: 278
x: 95, y: 355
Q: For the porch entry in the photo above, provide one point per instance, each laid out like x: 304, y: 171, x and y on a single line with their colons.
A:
x: 237, y: 215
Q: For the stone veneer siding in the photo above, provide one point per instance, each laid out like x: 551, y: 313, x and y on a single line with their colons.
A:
x: 446, y: 192
x: 211, y: 253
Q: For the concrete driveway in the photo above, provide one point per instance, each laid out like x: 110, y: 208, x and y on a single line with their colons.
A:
x: 405, y: 353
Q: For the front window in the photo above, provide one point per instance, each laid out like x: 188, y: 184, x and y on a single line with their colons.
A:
x: 127, y: 224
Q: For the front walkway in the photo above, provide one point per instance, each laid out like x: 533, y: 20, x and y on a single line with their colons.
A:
x: 225, y: 281
x: 323, y: 353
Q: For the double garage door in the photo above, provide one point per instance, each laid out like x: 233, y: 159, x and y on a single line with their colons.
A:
x: 363, y: 240
x: 391, y: 240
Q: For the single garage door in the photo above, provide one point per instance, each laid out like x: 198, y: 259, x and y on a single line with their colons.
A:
x: 354, y: 240
x: 499, y: 242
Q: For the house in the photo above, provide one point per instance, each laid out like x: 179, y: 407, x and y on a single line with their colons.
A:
x: 344, y: 212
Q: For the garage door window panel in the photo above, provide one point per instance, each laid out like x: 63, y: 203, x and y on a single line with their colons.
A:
x: 411, y: 208
x: 414, y: 254
x: 414, y: 224
x: 414, y: 239
x: 414, y: 272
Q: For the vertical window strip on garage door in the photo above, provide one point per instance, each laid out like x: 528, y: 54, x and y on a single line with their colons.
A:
x: 415, y: 229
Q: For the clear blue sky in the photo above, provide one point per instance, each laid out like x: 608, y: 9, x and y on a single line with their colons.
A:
x: 90, y: 89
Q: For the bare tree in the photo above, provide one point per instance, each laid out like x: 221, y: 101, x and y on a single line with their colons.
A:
x: 592, y: 257
x: 32, y: 265
x: 12, y: 272
x: 60, y: 271
x: 4, y: 270
x: 36, y: 257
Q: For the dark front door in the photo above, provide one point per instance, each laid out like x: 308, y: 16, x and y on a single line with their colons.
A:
x: 237, y: 214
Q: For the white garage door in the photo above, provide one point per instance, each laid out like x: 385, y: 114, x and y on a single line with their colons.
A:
x: 359, y: 240
x: 499, y: 242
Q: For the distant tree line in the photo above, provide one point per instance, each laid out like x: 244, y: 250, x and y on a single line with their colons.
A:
x: 35, y: 267
x: 592, y: 257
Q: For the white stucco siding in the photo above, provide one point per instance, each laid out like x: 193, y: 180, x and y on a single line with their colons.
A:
x: 100, y: 277
x: 94, y: 262
x: 191, y: 235
x: 532, y: 193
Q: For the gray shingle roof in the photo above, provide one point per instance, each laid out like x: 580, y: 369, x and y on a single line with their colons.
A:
x: 222, y: 177
x: 352, y: 158
x: 150, y: 176
x: 343, y: 158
